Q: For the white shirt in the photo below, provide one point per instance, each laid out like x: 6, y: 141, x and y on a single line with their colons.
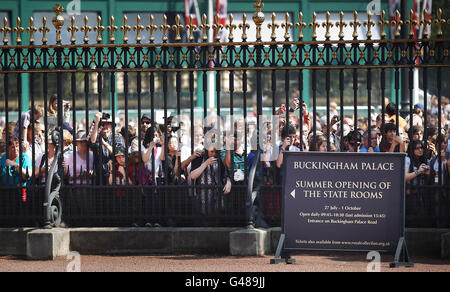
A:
x: 149, y: 165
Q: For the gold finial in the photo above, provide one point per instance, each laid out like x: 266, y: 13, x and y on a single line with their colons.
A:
x: 300, y: 25
x: 369, y: 23
x: 58, y: 21
x: 72, y: 29
x: 204, y: 27
x: 314, y: 25
x: 244, y: 26
x: 397, y: 23
x: 439, y: 22
x: 217, y: 26
x: 177, y: 27
x: 286, y: 25
x: 31, y: 30
x: 86, y: 28
x: 125, y: 28
x: 258, y: 18
x: 191, y: 27
x: 5, y: 30
x: 382, y: 23
x: 164, y: 27
x: 19, y: 30
x: 99, y: 29
x: 327, y: 24
x: 425, y: 22
x: 412, y: 22
x: 111, y: 28
x: 341, y: 23
x: 152, y: 27
x: 230, y: 27
x: 273, y: 26
x: 355, y: 23
x: 138, y: 28
x: 44, y: 29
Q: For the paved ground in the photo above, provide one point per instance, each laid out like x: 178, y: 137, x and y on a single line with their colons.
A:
x: 310, y: 262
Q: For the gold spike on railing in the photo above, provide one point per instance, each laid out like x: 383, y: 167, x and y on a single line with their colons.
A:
x: 244, y: 26
x: 138, y: 28
x: 327, y: 24
x: 72, y: 29
x: 217, y: 26
x: 204, y: 27
x: 191, y: 27
x: 5, y: 30
x: 258, y: 18
x: 383, y: 23
x: 425, y: 23
x: 369, y: 24
x: 31, y: 30
x: 58, y: 21
x: 230, y: 27
x: 412, y: 22
x: 18, y: 30
x: 341, y: 24
x: 125, y: 28
x: 86, y: 29
x: 99, y: 28
x: 397, y: 23
x: 300, y: 25
x: 273, y: 26
x: 439, y: 22
x: 152, y: 28
x: 44, y: 29
x: 164, y: 28
x: 286, y: 25
x: 177, y: 27
x: 355, y: 23
x: 314, y: 25
x: 111, y: 28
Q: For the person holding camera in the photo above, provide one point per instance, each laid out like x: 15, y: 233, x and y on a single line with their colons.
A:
x: 416, y: 164
x: 288, y: 136
x: 209, y: 172
x: 100, y: 140
x: 354, y: 141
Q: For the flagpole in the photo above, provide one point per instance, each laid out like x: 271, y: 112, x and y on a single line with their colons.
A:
x: 416, y: 70
x: 211, y: 91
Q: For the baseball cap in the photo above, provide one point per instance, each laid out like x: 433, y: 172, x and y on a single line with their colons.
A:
x: 419, y: 105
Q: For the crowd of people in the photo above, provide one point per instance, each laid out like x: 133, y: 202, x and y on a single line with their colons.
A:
x: 108, y: 153
x: 143, y: 152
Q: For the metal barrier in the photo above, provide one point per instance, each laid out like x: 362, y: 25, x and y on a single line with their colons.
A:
x: 165, y: 76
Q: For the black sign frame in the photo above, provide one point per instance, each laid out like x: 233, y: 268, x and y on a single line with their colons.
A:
x: 401, y: 257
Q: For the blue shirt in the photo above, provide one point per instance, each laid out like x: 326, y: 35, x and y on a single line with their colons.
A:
x: 364, y: 149
x: 9, y: 175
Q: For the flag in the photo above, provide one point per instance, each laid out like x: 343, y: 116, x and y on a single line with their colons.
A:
x: 221, y: 11
x: 393, y: 6
x: 191, y: 10
x: 427, y: 7
x: 416, y: 14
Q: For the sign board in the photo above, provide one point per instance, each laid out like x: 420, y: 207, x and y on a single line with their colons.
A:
x: 343, y: 201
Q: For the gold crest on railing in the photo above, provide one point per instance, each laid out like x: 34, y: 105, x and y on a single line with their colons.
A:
x: 421, y: 26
